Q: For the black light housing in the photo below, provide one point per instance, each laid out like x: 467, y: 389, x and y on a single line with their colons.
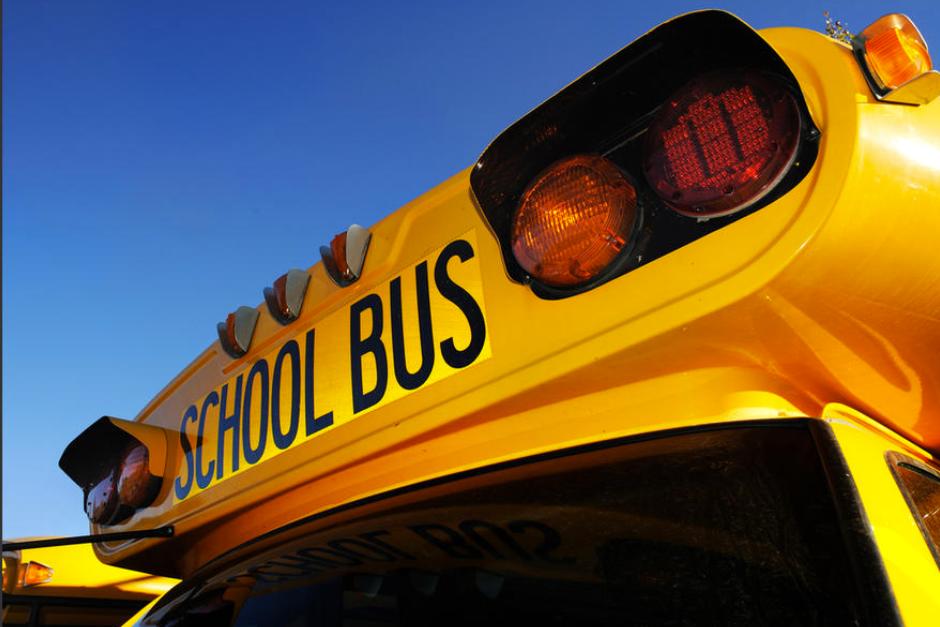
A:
x: 608, y: 111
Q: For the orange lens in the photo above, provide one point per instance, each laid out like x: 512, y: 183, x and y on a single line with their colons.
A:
x: 338, y: 247
x: 573, y: 221
x: 280, y: 294
x: 895, y: 50
x: 230, y: 342
x: 34, y: 573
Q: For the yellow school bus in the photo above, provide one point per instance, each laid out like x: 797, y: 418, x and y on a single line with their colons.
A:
x: 67, y: 585
x: 665, y: 354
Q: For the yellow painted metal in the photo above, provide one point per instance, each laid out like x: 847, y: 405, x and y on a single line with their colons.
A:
x: 78, y: 573
x: 828, y: 295
x: 911, y: 569
x: 225, y: 454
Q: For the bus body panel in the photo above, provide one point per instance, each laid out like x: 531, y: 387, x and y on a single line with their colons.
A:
x: 827, y: 295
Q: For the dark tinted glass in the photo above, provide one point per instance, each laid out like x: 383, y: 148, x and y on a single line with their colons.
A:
x: 15, y: 614
x: 728, y: 527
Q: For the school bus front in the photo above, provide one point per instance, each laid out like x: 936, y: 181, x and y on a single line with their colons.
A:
x: 664, y: 355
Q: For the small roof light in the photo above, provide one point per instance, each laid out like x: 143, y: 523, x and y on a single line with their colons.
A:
x: 895, y: 50
x: 235, y: 333
x: 897, y: 66
x: 346, y: 255
x: 286, y: 297
x: 34, y: 573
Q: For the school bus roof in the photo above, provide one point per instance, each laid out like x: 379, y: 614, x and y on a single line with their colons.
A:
x: 77, y: 572
x: 435, y: 361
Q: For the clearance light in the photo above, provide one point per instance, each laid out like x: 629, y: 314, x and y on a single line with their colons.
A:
x: 895, y: 51
x: 286, y: 297
x: 235, y: 333
x: 574, y: 220
x: 346, y: 254
x: 722, y: 142
x: 34, y: 573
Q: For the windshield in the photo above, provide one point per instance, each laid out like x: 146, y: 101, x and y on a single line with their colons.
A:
x: 731, y: 526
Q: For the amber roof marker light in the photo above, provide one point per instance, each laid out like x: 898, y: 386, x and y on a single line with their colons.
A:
x: 236, y: 332
x: 574, y: 221
x: 345, y: 257
x: 286, y: 297
x: 34, y: 574
x: 894, y: 58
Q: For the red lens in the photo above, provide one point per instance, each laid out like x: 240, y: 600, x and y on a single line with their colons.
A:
x: 722, y: 142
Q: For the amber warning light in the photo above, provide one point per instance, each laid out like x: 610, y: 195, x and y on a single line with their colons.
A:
x: 574, y: 221
x: 895, y: 51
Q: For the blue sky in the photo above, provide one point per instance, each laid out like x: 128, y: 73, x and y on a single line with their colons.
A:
x: 164, y: 161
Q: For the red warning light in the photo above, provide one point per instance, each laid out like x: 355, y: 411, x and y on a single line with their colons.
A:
x: 722, y: 142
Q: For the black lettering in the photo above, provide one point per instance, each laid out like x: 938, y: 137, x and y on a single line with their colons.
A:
x: 283, y: 440
x: 313, y: 424
x: 182, y: 489
x: 459, y: 296
x: 361, y: 549
x: 298, y: 568
x: 346, y: 559
x: 306, y: 563
x: 263, y: 577
x: 240, y: 580
x: 203, y: 480
x: 229, y: 423
x: 447, y: 540
x: 472, y: 529
x: 252, y: 455
x: 551, y: 540
x: 372, y: 537
x: 359, y: 347
x: 406, y: 379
